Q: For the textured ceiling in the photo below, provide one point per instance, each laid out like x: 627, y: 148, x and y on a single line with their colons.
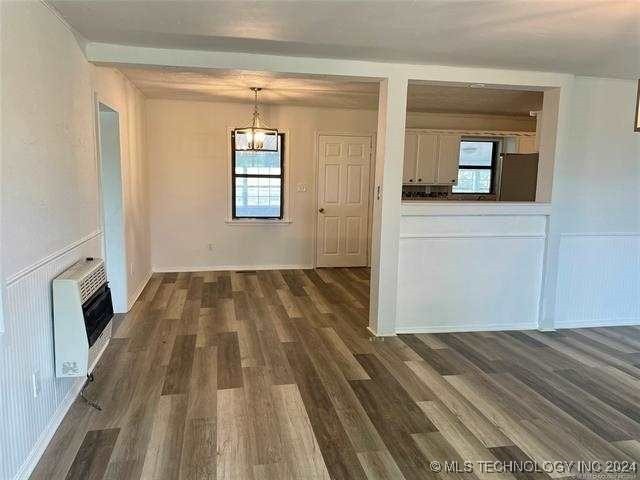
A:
x: 324, y: 91
x: 233, y: 86
x: 437, y: 98
x: 589, y: 37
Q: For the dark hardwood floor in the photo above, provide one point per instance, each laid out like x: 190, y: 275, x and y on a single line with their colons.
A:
x: 271, y: 375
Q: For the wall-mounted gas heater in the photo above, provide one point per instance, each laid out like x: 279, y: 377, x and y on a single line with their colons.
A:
x: 82, y: 311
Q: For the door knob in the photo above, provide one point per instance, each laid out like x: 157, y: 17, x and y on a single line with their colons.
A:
x: 321, y: 210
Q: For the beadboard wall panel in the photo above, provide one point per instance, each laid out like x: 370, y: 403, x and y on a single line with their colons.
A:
x: 27, y: 347
x: 596, y: 209
x: 598, y: 280
x: 473, y: 271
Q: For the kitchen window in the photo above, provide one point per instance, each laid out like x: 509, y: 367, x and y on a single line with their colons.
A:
x: 257, y: 183
x: 476, y: 166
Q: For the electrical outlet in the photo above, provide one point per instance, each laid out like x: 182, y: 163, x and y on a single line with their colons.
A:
x: 36, y: 383
x: 301, y: 187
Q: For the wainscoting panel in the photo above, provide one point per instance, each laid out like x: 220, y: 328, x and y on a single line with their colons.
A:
x: 26, y: 348
x: 598, y: 280
x: 470, y: 272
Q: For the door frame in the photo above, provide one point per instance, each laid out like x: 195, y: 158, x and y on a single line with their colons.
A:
x: 122, y: 280
x: 316, y: 166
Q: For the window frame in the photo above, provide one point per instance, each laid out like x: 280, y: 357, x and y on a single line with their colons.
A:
x: 493, y: 167
x: 283, y: 174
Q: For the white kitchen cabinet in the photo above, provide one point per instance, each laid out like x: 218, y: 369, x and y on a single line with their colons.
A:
x: 429, y: 158
x: 448, y: 159
x: 410, y: 157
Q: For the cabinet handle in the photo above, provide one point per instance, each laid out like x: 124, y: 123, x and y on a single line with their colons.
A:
x: 453, y: 180
x: 419, y: 179
x: 411, y: 179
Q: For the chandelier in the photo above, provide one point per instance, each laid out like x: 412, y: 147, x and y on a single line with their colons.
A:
x: 257, y: 137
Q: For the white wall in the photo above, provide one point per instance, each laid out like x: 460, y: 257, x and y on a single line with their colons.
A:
x: 596, y: 207
x: 189, y: 155
x: 50, y: 214
x: 49, y: 169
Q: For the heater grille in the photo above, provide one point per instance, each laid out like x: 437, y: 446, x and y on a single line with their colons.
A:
x: 92, y: 282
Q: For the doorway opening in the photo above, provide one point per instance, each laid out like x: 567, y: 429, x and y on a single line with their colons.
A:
x: 112, y: 205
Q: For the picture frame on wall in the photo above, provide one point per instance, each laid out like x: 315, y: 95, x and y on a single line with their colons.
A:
x: 637, y: 122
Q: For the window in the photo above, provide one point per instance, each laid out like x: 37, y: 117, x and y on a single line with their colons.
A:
x: 476, y: 167
x: 257, y: 182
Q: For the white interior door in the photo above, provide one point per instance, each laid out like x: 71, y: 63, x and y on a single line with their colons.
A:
x: 343, y: 200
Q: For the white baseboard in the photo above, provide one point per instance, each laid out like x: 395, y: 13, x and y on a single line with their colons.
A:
x: 597, y: 322
x: 465, y: 328
x: 45, y: 437
x: 381, y: 335
x: 227, y: 268
x: 139, y: 290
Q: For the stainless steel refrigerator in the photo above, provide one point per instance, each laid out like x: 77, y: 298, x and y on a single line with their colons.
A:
x: 518, y: 177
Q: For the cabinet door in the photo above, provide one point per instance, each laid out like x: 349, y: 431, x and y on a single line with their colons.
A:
x: 448, y: 159
x: 427, y: 158
x: 410, y: 157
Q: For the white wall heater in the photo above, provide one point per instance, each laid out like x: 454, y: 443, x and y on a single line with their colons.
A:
x: 82, y: 312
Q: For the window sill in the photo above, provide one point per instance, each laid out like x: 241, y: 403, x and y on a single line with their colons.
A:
x: 253, y: 221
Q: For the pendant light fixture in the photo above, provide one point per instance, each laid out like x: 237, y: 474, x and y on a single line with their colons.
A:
x: 256, y: 137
